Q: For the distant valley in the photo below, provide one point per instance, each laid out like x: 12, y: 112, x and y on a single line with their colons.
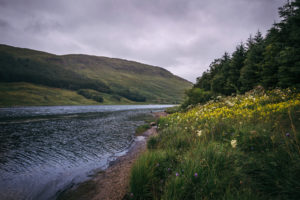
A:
x: 30, y: 77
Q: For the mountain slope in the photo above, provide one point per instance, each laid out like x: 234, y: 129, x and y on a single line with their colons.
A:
x: 112, y: 80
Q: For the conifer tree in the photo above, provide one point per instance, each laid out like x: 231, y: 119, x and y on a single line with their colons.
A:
x: 203, y: 82
x: 272, y: 62
x: 219, y: 80
x: 236, y: 63
x: 289, y: 57
x: 251, y: 71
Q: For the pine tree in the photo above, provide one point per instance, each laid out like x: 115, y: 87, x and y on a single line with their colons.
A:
x: 269, y: 74
x: 272, y: 62
x: 203, y: 82
x: 251, y: 71
x: 219, y: 81
x: 289, y: 57
x: 236, y: 63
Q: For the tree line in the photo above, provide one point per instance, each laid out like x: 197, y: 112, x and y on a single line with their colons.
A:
x: 271, y: 61
x: 18, y: 69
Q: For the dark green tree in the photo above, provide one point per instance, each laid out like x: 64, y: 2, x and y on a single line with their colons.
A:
x: 251, y: 71
x: 236, y: 64
x: 269, y: 74
x: 289, y: 56
x: 219, y: 84
x: 195, y: 96
x: 272, y: 62
x: 204, y: 82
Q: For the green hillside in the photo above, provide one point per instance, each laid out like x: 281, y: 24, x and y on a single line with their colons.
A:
x: 96, y: 80
x: 239, y: 147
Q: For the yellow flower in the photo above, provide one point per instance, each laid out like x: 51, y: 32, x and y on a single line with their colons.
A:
x: 233, y: 143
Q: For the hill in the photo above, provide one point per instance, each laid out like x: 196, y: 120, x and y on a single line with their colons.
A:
x: 238, y: 147
x: 93, y: 78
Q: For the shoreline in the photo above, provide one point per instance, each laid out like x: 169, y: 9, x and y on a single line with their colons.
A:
x: 113, y: 182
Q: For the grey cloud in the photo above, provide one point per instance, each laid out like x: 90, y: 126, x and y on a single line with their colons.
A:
x: 179, y: 35
x: 39, y: 26
x: 4, y: 24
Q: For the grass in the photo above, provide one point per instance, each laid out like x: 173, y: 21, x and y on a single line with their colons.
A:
x: 173, y: 109
x: 26, y: 94
x: 141, y: 129
x: 156, y: 84
x: 149, y: 173
x: 148, y: 119
x: 243, y: 147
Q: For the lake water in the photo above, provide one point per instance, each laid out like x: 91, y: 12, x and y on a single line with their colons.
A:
x: 44, y: 150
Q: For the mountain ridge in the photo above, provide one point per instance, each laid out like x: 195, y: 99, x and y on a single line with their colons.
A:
x: 119, y: 80
x: 85, y: 55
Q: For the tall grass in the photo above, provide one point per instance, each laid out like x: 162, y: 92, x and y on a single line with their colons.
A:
x: 150, y: 172
x: 244, y: 147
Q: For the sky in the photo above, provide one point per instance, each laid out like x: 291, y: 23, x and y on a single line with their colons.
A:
x: 182, y: 36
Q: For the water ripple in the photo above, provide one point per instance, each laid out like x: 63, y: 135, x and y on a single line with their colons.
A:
x: 44, y: 149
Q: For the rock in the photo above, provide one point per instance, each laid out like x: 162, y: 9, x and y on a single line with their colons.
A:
x: 152, y: 124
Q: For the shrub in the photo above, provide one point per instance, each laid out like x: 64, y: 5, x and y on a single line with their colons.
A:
x: 195, y: 96
x: 91, y: 94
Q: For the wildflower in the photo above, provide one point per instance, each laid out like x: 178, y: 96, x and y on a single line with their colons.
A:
x: 273, y: 138
x: 229, y: 103
x: 169, y: 169
x: 199, y: 133
x: 287, y: 134
x: 177, y: 174
x: 196, y: 174
x: 233, y: 143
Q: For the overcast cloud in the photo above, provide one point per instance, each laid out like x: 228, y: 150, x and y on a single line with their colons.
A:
x: 183, y: 36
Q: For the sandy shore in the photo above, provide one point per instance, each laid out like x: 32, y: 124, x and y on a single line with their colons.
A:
x: 113, y: 183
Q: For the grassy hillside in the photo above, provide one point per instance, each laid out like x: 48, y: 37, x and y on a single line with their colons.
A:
x: 27, y: 94
x: 119, y: 81
x: 243, y: 147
